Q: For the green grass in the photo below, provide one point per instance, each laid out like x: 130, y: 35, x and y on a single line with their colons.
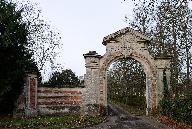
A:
x: 50, y: 122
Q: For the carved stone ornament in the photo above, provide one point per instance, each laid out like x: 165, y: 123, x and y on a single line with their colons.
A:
x: 127, y: 53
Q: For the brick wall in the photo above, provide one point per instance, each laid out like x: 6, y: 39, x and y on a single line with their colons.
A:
x: 59, y: 100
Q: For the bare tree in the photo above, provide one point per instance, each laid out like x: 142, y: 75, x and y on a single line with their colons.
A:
x: 168, y: 23
x: 44, y: 42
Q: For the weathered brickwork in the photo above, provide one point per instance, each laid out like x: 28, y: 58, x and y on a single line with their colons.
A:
x: 32, y: 95
x: 59, y: 100
x: 42, y: 100
x: 26, y: 104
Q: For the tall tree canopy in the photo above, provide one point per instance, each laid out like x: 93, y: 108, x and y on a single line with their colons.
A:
x: 15, y: 58
x: 43, y: 42
x: 169, y: 24
x: 19, y: 31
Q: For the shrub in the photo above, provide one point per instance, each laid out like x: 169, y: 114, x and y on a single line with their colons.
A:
x: 178, y: 109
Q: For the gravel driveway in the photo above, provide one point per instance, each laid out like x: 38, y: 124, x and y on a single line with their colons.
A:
x: 120, y: 119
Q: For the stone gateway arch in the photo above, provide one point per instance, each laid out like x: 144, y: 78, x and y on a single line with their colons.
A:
x: 93, y: 98
x: 123, y: 43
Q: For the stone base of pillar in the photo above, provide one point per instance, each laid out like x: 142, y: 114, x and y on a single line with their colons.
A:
x: 151, y: 111
x: 19, y: 113
x: 31, y: 112
x: 95, y: 110
x: 91, y: 109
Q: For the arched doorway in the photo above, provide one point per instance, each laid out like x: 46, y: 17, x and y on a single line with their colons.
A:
x: 123, y: 43
x: 151, y: 79
x: 126, y: 85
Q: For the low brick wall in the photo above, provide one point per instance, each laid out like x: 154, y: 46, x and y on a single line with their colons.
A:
x: 59, y: 100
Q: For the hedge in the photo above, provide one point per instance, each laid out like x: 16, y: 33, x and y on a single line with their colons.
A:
x: 177, y: 109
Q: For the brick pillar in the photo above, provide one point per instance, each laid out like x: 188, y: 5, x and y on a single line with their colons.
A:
x: 26, y: 104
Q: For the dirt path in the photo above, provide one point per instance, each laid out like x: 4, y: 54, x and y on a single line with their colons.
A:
x: 120, y: 119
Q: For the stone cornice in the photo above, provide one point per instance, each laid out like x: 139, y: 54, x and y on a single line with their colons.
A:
x: 92, y: 54
x: 112, y: 36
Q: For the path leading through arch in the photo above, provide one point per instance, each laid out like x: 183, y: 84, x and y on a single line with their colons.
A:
x: 123, y: 43
x: 120, y: 119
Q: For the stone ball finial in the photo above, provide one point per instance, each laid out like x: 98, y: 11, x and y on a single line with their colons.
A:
x: 92, y: 53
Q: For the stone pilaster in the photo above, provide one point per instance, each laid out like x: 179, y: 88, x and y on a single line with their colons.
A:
x: 162, y: 63
x: 92, y: 61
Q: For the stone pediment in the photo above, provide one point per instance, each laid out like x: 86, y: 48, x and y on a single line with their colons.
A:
x: 125, y: 35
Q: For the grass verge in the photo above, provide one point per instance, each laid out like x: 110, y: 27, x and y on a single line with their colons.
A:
x: 50, y: 122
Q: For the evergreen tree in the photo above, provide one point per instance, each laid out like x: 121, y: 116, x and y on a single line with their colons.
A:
x: 27, y: 43
x: 63, y: 79
x: 15, y: 58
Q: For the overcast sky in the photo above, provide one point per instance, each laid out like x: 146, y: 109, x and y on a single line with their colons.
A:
x: 82, y: 25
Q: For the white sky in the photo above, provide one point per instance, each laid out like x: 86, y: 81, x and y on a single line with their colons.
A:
x: 82, y: 25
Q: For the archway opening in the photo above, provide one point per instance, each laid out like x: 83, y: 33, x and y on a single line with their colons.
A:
x: 126, y: 85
